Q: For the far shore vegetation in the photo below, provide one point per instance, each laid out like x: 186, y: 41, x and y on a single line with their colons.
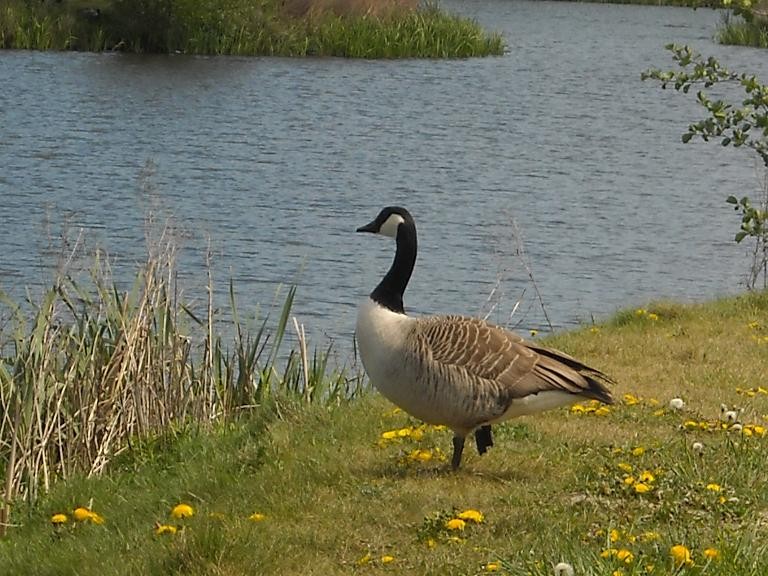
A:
x: 348, y: 28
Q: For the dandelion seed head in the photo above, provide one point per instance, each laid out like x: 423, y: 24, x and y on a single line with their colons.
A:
x: 697, y: 447
x: 563, y: 569
x: 676, y: 404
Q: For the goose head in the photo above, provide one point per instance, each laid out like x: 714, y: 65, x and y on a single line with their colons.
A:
x: 388, y: 222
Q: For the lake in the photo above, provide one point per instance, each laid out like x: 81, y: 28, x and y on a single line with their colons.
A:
x: 557, y: 147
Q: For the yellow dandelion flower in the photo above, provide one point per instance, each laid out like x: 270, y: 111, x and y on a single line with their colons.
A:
x: 387, y: 559
x: 389, y: 435
x: 642, y: 488
x: 647, y: 477
x: 650, y: 536
x: 630, y: 399
x: 471, y: 516
x: 161, y: 529
x: 404, y: 432
x: 534, y: 332
x: 758, y: 430
x: 257, y: 517
x: 493, y: 567
x: 431, y: 543
x: 641, y: 312
x: 439, y: 427
x: 594, y: 330
x: 618, y: 572
x: 629, y: 480
x: 608, y: 553
x: 649, y: 568
x: 711, y: 553
x: 182, y: 511
x: 602, y: 411
x: 652, y: 316
x: 681, y: 556
x: 364, y: 560
x: 690, y: 425
x: 578, y: 409
x: 625, y: 556
x: 753, y: 325
x: 82, y: 514
x: 712, y: 487
x: 419, y: 455
x: 624, y: 467
x: 59, y: 519
x: 614, y: 535
x: 455, y: 524
x: 639, y: 451
x: 96, y: 519
x: 659, y: 412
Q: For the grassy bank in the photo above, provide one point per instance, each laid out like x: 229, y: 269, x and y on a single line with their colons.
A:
x: 349, y: 28
x: 359, y: 488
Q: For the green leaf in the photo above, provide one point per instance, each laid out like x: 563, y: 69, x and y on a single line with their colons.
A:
x: 732, y: 199
x: 740, y: 236
x: 687, y: 137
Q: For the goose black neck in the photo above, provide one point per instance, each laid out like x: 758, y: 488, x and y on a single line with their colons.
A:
x: 389, y: 292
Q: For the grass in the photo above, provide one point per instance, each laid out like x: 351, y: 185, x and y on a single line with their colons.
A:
x: 357, y: 487
x: 346, y: 28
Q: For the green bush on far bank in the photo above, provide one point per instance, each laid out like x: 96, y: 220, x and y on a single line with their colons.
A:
x: 348, y: 28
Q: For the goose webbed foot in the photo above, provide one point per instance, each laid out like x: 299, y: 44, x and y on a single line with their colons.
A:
x: 458, y: 448
x: 483, y: 439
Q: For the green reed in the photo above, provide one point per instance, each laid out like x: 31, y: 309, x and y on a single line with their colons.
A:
x: 741, y: 33
x: 93, y: 368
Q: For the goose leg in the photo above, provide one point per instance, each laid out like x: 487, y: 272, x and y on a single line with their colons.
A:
x: 483, y: 439
x: 458, y: 448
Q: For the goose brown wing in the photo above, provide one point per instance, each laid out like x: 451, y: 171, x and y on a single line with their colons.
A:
x: 502, y: 360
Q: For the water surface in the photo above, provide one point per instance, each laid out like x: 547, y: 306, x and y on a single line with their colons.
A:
x: 275, y: 162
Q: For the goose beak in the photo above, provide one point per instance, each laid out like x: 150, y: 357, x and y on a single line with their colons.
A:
x: 372, y: 228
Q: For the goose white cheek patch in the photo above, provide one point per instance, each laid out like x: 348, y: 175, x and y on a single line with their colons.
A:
x: 389, y: 228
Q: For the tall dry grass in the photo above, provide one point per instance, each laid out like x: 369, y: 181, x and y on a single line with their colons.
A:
x: 94, y: 368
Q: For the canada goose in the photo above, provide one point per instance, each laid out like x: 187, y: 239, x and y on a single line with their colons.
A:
x: 461, y: 372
